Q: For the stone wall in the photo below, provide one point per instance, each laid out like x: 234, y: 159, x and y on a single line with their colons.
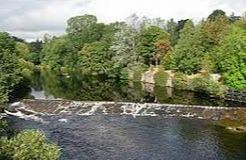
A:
x: 239, y: 96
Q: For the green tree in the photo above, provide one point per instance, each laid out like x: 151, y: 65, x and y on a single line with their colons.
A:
x: 23, y: 55
x: 59, y: 53
x: 188, y: 53
x: 9, y: 67
x: 35, y: 51
x: 232, y: 58
x: 22, y: 50
x: 173, y: 31
x: 214, y: 30
x: 216, y: 14
x: 79, y: 23
x: 84, y: 29
x: 95, y: 58
x: 147, y: 41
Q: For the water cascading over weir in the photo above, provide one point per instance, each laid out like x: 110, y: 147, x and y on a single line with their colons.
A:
x: 36, y: 108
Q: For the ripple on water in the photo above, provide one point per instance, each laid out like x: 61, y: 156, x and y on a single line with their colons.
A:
x: 125, y: 137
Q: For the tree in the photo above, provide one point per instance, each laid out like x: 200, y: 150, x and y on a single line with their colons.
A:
x: 35, y: 51
x: 94, y: 58
x: 214, y: 30
x: 162, y: 47
x: 232, y: 58
x: 124, y: 47
x: 36, y: 46
x: 22, y: 50
x: 187, y: 54
x: 58, y: 53
x: 84, y: 29
x: 80, y: 23
x: 147, y: 41
x: 217, y: 14
x: 173, y: 32
x: 9, y: 67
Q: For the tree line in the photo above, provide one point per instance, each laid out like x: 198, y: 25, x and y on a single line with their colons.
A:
x: 214, y: 45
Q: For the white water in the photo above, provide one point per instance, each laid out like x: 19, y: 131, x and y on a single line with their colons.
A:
x: 26, y: 117
x: 35, y: 109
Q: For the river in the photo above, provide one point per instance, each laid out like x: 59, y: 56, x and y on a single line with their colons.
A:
x: 120, y: 134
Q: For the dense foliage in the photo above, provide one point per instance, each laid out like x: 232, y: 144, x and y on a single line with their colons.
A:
x: 201, y: 83
x: 9, y: 67
x: 28, y: 145
x: 114, y: 49
x: 126, y: 49
x: 189, y: 50
x: 232, y: 55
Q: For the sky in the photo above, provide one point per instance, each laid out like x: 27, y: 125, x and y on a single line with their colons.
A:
x: 31, y: 19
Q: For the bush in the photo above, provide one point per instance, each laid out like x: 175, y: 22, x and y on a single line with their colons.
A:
x: 124, y: 74
x: 28, y: 145
x: 138, y: 70
x: 207, y: 86
x: 181, y: 81
x: 3, y: 126
x: 161, y: 77
x: 3, y: 95
x: 203, y: 84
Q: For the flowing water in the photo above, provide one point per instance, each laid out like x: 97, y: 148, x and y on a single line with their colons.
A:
x: 120, y: 137
x: 119, y: 130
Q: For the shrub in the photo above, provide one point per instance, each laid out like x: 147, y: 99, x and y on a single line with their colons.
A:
x: 29, y: 145
x: 3, y: 126
x: 3, y: 95
x: 138, y: 70
x: 181, y: 81
x: 207, y: 86
x: 203, y: 84
x: 124, y: 74
x: 161, y: 77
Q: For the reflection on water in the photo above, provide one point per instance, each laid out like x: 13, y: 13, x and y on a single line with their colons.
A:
x: 49, y: 85
x: 111, y: 137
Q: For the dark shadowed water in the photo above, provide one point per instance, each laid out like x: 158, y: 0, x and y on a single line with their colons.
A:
x: 49, y: 85
x: 115, y: 137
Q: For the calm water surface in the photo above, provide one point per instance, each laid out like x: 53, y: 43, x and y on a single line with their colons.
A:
x: 49, y: 85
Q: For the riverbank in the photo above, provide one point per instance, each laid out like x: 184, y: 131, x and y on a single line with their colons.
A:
x: 203, y: 82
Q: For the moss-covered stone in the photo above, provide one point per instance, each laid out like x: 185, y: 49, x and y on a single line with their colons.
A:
x: 161, y: 77
x: 138, y: 71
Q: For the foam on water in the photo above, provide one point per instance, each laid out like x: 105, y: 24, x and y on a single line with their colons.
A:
x: 26, y: 117
x: 38, y: 108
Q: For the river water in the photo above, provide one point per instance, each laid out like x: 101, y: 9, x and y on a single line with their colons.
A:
x: 120, y: 137
x: 116, y: 136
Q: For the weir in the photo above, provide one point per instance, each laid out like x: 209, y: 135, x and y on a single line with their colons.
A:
x: 32, y: 108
